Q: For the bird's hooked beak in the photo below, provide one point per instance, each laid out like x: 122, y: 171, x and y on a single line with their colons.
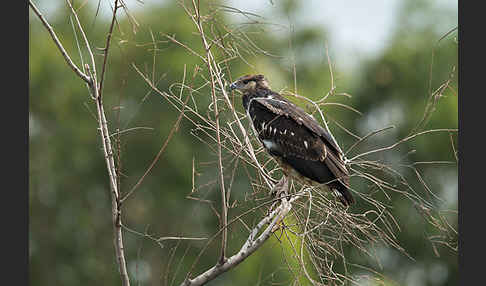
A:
x: 233, y: 85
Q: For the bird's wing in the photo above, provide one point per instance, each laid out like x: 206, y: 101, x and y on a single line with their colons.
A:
x: 287, y: 132
x: 282, y: 136
x: 279, y: 105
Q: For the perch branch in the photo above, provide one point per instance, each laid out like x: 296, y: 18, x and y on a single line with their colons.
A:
x: 251, y: 244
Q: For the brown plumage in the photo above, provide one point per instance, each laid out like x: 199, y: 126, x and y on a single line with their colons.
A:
x: 301, y: 146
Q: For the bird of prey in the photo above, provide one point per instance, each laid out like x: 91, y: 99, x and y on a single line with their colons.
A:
x: 301, y: 146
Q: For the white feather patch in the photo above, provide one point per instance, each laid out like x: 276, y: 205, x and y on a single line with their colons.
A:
x: 270, y: 145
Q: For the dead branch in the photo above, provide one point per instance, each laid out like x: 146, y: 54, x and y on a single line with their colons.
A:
x: 209, y: 59
x: 252, y: 244
x: 54, y: 37
x: 94, y: 90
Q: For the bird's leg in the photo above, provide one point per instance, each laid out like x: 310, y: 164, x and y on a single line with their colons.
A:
x: 277, y: 190
x: 280, y: 190
x: 282, y: 185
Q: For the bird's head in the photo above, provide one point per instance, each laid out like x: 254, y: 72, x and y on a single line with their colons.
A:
x: 249, y: 82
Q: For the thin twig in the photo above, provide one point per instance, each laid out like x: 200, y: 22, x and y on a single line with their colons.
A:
x: 70, y: 63
x: 209, y: 60
x: 88, y: 47
x: 161, y: 151
x: 366, y: 137
x: 401, y: 141
x: 107, y: 47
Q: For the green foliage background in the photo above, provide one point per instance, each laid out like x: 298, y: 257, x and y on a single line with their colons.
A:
x: 70, y: 237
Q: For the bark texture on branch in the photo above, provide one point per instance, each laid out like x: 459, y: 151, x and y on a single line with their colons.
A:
x: 253, y: 242
x: 89, y: 77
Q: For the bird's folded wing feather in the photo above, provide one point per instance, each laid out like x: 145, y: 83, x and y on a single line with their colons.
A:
x: 279, y: 127
x: 282, y: 136
x: 338, y: 168
x: 281, y: 106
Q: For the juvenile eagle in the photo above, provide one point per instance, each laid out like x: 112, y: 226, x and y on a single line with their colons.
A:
x: 303, y: 149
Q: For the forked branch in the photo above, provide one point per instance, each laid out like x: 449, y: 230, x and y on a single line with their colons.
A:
x: 94, y: 90
x: 253, y: 243
x: 54, y: 37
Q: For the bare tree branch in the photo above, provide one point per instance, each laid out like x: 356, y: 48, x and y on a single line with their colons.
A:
x: 252, y: 244
x: 401, y: 141
x: 69, y: 62
x: 105, y: 137
x: 107, y: 46
x: 209, y: 59
x: 88, y: 48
